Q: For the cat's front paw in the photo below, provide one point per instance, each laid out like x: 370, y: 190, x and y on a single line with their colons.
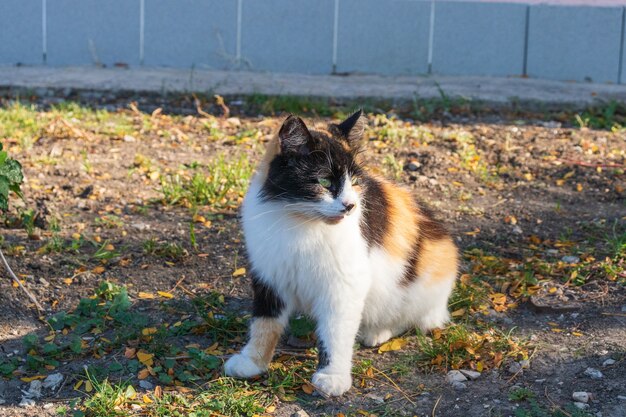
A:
x: 241, y: 366
x: 373, y: 338
x: 330, y: 384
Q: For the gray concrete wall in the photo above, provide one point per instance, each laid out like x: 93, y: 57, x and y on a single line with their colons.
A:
x: 578, y: 40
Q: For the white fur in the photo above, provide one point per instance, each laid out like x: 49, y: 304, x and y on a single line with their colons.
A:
x: 326, y: 271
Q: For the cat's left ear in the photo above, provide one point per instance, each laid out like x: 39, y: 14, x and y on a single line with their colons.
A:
x: 352, y: 128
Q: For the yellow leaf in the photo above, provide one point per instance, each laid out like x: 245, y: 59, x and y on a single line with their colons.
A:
x: 308, y: 388
x: 394, y: 344
x: 147, y: 399
x: 148, y: 331
x: 578, y: 334
x: 109, y: 247
x: 165, y: 294
x: 560, y: 182
x: 556, y: 330
x: 569, y: 175
x: 49, y: 338
x: 130, y: 392
x: 579, y: 187
x: 198, y: 218
x: 270, y: 409
x: 239, y: 271
x: 479, y: 366
x: 32, y: 378
x: 78, y: 385
x: 552, y: 290
x: 88, y: 386
x: 98, y: 270
x: 67, y: 281
x: 145, y: 295
x: 145, y: 357
x: 458, y: 313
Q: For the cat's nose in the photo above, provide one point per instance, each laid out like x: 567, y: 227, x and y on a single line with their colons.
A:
x: 347, y: 206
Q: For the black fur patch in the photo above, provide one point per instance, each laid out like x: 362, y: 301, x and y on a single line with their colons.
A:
x: 295, y: 176
x: 374, y: 224
x: 266, y: 302
x: 323, y: 358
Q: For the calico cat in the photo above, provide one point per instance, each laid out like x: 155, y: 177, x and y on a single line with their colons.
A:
x: 326, y: 238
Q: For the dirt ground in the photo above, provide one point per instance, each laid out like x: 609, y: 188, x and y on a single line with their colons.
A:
x: 507, y: 186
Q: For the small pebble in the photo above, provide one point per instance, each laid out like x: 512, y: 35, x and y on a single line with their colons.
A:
x: 608, y: 362
x: 145, y: 384
x: 514, y: 368
x: 413, y: 166
x: 540, y: 381
x: 581, y: 406
x: 581, y: 396
x: 470, y: 374
x: 27, y: 402
x: 621, y: 397
x: 459, y: 386
x: 568, y: 259
x: 300, y: 413
x: 379, y: 399
x: 593, y: 373
x: 455, y: 376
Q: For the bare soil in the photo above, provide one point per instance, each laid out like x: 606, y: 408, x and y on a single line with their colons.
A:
x: 517, y: 198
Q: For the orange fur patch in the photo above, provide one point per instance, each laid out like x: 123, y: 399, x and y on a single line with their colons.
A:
x: 402, y: 216
x: 438, y: 261
x: 264, y: 335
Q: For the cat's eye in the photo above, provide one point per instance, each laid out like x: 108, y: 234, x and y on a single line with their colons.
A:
x: 354, y: 181
x: 324, y: 182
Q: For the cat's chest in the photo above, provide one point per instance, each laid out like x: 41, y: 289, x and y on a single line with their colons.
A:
x: 283, y: 245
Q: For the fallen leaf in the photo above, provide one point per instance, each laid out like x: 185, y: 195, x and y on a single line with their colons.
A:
x: 32, y: 378
x: 148, y: 331
x: 98, y: 270
x: 145, y: 358
x: 394, y: 344
x: 579, y: 187
x: 129, y: 353
x: 307, y: 388
x: 146, y: 295
x: 143, y: 374
x: 78, y: 385
x: 147, y: 399
x: 88, y: 386
x: 458, y: 313
x: 239, y: 271
x: 165, y: 294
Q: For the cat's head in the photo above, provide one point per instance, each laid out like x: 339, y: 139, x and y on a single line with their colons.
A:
x: 315, y: 171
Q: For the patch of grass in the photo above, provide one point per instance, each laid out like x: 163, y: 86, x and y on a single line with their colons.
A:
x: 221, y: 184
x: 168, y: 250
x: 274, y: 105
x: 392, y: 167
x: 462, y: 346
x: 22, y: 123
x: 610, y: 116
x: 521, y: 394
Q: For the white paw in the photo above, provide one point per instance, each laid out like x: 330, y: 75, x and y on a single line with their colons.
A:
x: 331, y: 384
x: 375, y: 338
x: 241, y: 366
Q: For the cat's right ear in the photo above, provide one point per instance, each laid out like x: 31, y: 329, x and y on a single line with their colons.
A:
x: 294, y: 137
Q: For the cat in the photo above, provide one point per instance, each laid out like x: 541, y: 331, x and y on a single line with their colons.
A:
x: 327, y: 239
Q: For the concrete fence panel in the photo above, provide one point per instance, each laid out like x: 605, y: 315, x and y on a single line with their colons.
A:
x: 383, y: 37
x: 479, y: 39
x: 87, y: 32
x: 21, y: 34
x: 574, y: 43
x: 190, y: 33
x: 287, y: 36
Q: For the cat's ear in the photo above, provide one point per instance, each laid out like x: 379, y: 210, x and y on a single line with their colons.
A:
x: 352, y: 128
x: 295, y: 137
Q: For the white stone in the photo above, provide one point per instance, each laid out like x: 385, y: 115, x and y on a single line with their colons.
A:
x: 459, y: 386
x: 568, y: 259
x: 621, y: 397
x: 300, y: 413
x: 514, y: 368
x: 581, y: 396
x: 145, y: 384
x: 27, y: 402
x: 471, y: 374
x: 608, y: 362
x: 593, y: 373
x: 52, y: 381
x: 455, y: 376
